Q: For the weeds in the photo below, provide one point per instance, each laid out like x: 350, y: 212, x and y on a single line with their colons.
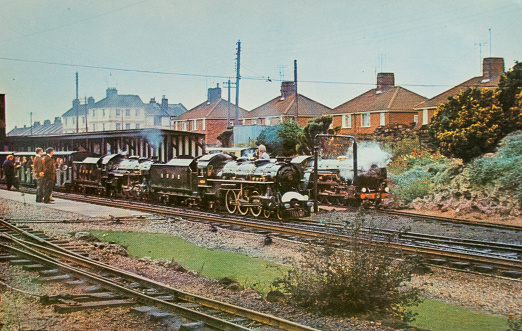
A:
x: 361, y: 277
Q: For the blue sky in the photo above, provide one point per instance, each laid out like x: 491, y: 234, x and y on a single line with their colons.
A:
x: 180, y: 48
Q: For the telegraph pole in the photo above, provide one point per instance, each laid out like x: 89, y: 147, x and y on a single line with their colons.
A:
x: 77, y: 104
x: 296, y: 95
x: 238, y: 76
x: 31, y: 123
x: 229, y: 85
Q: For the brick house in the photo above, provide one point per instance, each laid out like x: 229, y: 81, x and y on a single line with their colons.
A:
x: 210, y: 117
x: 386, y: 104
x: 283, y: 108
x: 492, y: 70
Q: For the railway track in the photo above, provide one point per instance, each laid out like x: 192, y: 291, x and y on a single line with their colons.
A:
x: 502, y: 259
x: 116, y: 287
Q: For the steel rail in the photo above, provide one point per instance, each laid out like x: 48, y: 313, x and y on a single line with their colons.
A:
x: 62, y: 253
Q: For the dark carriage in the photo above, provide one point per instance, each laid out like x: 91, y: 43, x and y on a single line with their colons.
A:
x: 175, y: 181
x: 92, y: 174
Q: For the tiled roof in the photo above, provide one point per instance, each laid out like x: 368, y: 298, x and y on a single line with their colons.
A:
x: 45, y: 129
x: 393, y: 99
x: 280, y: 107
x: 480, y: 82
x: 214, y: 110
x: 82, y: 110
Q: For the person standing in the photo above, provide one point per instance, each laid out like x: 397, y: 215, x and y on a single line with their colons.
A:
x: 49, y: 174
x: 39, y: 174
x: 263, y: 155
x: 9, y: 171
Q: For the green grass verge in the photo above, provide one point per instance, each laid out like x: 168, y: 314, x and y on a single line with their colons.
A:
x: 438, y: 316
x: 249, y: 272
x: 259, y: 274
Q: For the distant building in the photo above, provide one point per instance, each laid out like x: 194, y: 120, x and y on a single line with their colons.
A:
x: 210, y: 117
x: 492, y: 70
x: 38, y: 129
x: 119, y: 112
x: 284, y: 108
x: 386, y: 104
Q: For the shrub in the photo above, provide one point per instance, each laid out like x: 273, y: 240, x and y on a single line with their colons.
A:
x: 514, y: 322
x: 361, y: 277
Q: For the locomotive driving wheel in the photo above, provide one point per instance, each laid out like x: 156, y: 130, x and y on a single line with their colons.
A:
x: 266, y: 213
x: 231, y: 201
x: 243, y: 210
x: 257, y: 209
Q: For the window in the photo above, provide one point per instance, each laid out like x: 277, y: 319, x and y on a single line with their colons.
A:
x: 103, y: 126
x: 365, y: 120
x: 118, y: 112
x: 267, y: 120
x: 103, y: 112
x: 94, y: 127
x: 94, y: 113
x: 424, y: 116
x: 254, y: 121
x: 65, y: 120
x: 184, y: 126
x: 194, y: 125
x: 137, y: 113
x: 83, y: 119
x: 204, y: 126
x: 118, y: 126
x: 176, y: 125
x: 382, y: 119
x: 416, y: 119
x: 137, y: 126
x: 347, y: 121
x: 127, y: 112
x: 127, y: 126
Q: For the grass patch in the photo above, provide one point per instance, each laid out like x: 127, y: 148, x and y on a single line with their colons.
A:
x: 438, y: 316
x: 249, y: 272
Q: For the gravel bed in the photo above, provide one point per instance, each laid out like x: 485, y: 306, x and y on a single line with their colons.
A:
x: 482, y: 294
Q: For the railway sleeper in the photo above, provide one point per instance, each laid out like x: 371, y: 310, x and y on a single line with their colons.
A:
x: 69, y: 308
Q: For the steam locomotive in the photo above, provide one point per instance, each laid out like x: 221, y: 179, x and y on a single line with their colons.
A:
x: 267, y: 188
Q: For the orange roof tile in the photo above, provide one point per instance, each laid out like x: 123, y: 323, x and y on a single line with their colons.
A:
x: 214, y: 110
x: 281, y: 107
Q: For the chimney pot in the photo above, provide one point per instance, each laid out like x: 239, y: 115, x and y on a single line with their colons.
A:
x: 385, y: 80
x: 214, y: 94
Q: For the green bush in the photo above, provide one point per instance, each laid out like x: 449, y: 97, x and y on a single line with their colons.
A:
x: 361, y: 277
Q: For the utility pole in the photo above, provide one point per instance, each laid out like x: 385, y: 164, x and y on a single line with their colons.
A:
x: 296, y: 95
x: 31, y: 123
x: 229, y: 85
x: 86, y: 115
x: 77, y: 104
x: 238, y: 76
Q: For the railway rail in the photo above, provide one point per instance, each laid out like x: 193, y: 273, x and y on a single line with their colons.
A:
x: 503, y: 259
x: 131, y: 289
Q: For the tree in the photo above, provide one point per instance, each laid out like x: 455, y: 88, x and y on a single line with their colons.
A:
x: 469, y: 124
x: 315, y: 126
x: 510, y: 87
x: 225, y: 137
x: 280, y: 139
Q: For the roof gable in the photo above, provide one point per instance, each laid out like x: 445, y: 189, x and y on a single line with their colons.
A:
x: 286, y: 106
x: 214, y: 110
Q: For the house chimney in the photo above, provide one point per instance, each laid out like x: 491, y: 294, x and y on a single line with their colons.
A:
x: 492, y: 66
x: 164, y: 104
x: 36, y: 124
x: 90, y: 102
x: 111, y: 91
x: 287, y: 89
x: 214, y: 94
x: 57, y: 120
x: 47, y: 123
x: 152, y: 101
x: 385, y: 80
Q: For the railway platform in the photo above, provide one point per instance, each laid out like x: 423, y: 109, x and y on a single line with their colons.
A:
x: 82, y: 208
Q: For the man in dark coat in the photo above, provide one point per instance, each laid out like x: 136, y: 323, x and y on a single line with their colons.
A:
x: 39, y: 174
x: 9, y: 172
x: 49, y: 174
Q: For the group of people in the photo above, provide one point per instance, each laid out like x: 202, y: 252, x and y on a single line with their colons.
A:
x: 44, y: 171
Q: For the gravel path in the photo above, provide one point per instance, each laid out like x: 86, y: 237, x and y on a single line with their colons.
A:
x: 482, y: 294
